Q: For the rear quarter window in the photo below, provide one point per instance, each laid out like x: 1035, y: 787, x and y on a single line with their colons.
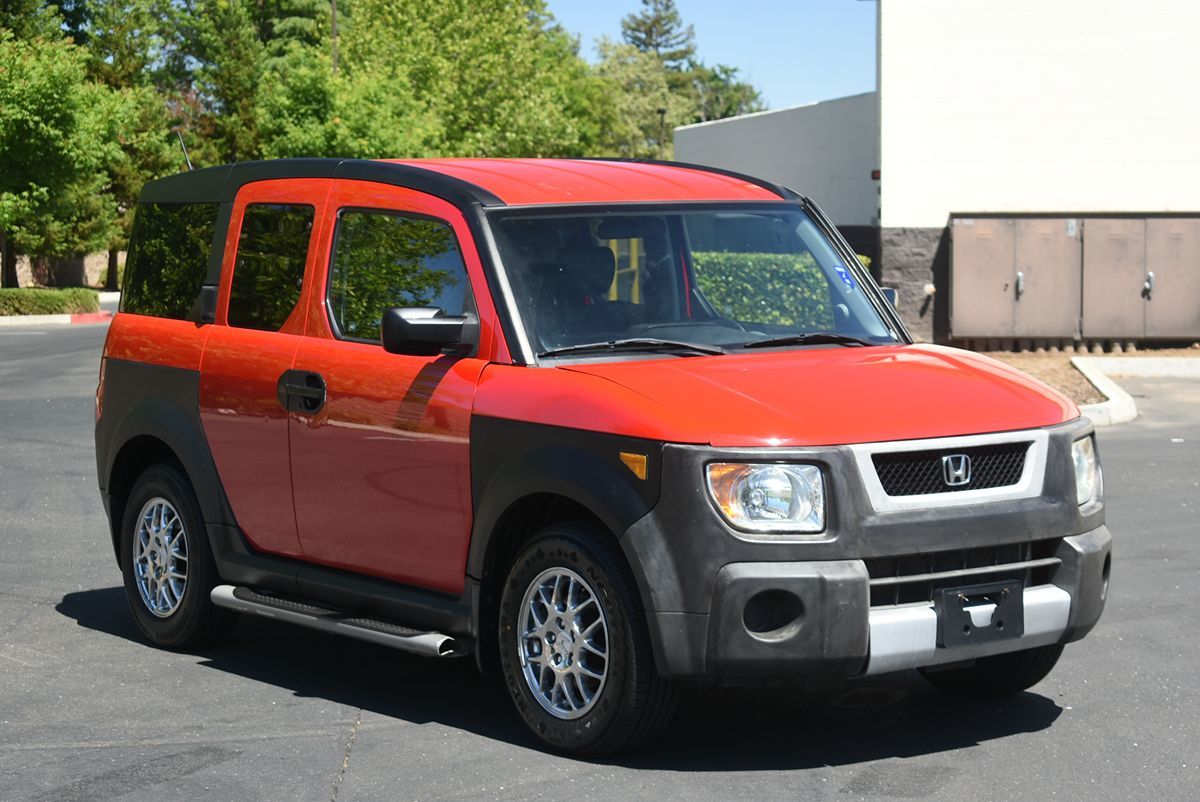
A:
x: 272, y: 250
x: 168, y: 258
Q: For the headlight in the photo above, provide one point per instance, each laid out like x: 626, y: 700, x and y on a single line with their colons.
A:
x: 1087, y: 470
x: 769, y: 498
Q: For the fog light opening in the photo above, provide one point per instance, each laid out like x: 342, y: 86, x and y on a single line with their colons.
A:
x: 773, y: 614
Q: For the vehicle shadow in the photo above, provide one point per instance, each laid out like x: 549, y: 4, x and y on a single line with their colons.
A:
x: 745, y: 729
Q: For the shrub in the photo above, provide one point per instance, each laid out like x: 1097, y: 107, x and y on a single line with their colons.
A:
x: 36, y: 301
x: 771, y: 288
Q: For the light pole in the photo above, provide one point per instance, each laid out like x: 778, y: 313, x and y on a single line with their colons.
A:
x: 662, y: 130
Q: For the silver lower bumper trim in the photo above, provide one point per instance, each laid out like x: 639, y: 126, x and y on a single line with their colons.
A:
x: 906, y: 637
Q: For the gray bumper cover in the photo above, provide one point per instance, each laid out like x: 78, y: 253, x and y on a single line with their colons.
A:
x: 839, y: 634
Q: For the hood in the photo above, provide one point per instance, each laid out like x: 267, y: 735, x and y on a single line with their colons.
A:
x: 833, y: 396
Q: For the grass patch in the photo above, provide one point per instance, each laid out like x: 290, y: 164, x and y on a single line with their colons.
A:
x: 37, y: 301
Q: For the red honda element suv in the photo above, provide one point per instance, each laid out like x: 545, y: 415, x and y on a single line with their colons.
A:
x: 606, y: 426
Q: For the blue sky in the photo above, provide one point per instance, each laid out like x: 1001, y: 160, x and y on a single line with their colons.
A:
x: 794, y: 51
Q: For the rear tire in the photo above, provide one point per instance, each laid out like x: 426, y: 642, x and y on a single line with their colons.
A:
x: 999, y: 675
x: 575, y: 647
x: 167, y: 563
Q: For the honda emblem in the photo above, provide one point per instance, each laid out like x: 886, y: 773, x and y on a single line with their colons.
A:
x: 956, y: 470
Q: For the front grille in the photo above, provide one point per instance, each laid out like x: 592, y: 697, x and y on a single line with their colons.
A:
x: 917, y: 473
x: 917, y: 577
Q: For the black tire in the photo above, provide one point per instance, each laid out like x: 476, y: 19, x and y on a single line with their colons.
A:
x: 634, y: 704
x: 1000, y: 675
x: 195, y: 621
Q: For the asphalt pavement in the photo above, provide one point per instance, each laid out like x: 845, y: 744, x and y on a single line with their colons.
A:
x: 88, y: 711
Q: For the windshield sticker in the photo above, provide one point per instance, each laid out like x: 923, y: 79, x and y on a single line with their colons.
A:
x: 847, y: 279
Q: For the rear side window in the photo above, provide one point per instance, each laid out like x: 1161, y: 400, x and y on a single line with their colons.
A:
x: 168, y: 258
x: 269, y: 271
x: 382, y: 259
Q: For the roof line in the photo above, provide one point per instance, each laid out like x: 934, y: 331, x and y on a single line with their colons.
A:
x: 220, y: 184
x: 770, y: 186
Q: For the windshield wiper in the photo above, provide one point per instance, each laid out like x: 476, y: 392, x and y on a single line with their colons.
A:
x: 634, y: 344
x: 810, y: 338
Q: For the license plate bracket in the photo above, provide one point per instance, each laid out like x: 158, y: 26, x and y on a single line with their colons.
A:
x: 980, y: 613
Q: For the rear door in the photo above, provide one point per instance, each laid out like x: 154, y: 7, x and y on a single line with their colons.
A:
x: 259, y: 325
x: 381, y: 468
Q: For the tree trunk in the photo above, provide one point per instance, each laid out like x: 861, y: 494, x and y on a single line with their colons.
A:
x: 111, y: 282
x: 9, y: 260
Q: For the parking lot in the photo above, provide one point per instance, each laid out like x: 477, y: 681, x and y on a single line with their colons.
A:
x: 88, y: 711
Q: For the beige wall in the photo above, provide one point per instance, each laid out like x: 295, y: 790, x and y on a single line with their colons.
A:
x: 1038, y: 105
x: 92, y: 268
x: 824, y: 150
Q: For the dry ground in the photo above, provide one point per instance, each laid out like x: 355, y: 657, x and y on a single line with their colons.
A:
x: 1056, y: 370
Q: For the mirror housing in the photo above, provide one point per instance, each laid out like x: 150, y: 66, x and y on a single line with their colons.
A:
x: 205, y: 309
x: 426, y: 331
x: 892, y: 296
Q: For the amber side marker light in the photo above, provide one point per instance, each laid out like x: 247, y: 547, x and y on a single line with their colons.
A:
x: 635, y: 463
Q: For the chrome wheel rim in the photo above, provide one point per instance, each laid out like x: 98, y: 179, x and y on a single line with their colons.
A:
x: 563, y: 643
x: 160, y: 557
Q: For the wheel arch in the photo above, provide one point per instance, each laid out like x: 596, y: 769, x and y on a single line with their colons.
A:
x: 154, y: 431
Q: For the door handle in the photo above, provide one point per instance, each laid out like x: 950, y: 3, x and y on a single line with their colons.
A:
x: 301, y: 391
x: 1148, y: 286
x: 1020, y: 283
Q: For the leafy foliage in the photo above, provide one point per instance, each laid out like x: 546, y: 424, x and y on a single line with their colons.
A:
x: 92, y: 93
x: 703, y: 93
x: 659, y: 29
x: 55, y: 146
x: 771, y: 288
x: 37, y: 301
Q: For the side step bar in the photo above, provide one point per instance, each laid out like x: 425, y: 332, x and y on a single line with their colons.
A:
x: 374, y: 630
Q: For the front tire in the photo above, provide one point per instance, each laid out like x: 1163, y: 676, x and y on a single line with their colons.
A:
x: 999, y: 675
x: 167, y: 563
x: 575, y: 647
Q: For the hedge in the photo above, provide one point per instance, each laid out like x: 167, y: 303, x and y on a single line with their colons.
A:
x: 772, y: 288
x: 36, y: 301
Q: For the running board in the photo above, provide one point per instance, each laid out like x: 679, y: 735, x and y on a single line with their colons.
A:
x: 373, y: 630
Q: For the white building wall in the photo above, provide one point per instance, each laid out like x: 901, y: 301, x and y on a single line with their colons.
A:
x: 1038, y: 105
x: 823, y: 150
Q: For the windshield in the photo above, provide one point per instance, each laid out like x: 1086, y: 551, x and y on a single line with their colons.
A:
x: 725, y: 278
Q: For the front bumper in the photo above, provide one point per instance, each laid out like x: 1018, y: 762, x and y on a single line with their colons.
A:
x: 724, y: 605
x: 833, y: 630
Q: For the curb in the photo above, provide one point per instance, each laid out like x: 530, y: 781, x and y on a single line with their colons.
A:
x: 106, y: 297
x: 1119, y: 408
x: 55, y: 320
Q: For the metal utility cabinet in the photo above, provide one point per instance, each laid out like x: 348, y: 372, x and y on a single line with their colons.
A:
x: 1067, y: 278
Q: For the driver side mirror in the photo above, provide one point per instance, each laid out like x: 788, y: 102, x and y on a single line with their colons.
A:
x: 426, y: 330
x: 893, y: 297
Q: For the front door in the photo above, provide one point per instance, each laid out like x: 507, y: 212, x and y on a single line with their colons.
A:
x: 380, y: 470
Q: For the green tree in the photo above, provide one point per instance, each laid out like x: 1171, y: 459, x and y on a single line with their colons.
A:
x: 222, y: 36
x: 128, y: 42
x: 719, y: 93
x: 306, y: 110
x: 710, y: 93
x: 639, y: 89
x: 659, y: 29
x: 486, y: 72
x: 55, y: 147
x: 30, y: 19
